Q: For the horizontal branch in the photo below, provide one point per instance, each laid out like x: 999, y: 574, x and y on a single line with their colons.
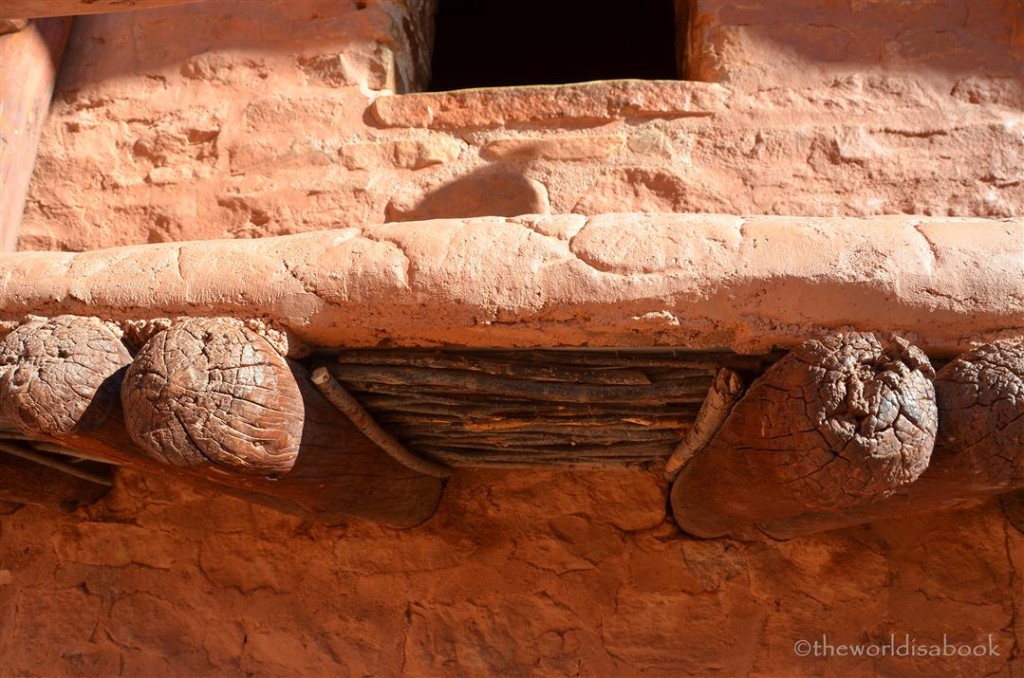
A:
x: 700, y: 281
x: 31, y: 477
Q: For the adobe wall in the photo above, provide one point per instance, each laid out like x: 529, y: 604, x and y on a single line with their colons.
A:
x: 222, y: 120
x: 238, y: 120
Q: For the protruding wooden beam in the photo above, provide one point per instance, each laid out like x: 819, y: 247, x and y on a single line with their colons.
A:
x: 61, y: 377
x: 211, y: 403
x: 209, y: 393
x: 31, y: 9
x: 979, y: 449
x: 30, y: 59
x: 832, y: 425
x: 213, y: 396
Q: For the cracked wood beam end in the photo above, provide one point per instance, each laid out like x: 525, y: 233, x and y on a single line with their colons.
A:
x: 832, y: 425
x: 979, y: 449
x: 209, y: 401
x: 703, y: 281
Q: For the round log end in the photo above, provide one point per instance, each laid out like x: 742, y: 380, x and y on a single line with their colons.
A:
x: 866, y: 408
x: 834, y: 424
x: 211, y: 392
x: 60, y: 376
x: 981, y: 410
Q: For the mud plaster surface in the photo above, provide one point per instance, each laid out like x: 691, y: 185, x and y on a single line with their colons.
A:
x: 532, y: 573
x: 908, y: 109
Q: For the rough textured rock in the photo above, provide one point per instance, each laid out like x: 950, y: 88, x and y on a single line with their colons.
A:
x: 214, y: 392
x: 752, y: 44
x: 509, y: 106
x: 61, y: 376
x: 580, y: 147
x: 242, y: 119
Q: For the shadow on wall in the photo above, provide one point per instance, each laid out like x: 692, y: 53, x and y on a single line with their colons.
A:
x: 486, y: 193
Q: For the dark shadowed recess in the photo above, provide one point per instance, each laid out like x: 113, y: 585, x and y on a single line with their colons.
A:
x: 501, y: 43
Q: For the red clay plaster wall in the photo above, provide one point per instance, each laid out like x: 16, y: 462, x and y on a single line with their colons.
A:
x: 244, y: 120
x: 526, y: 573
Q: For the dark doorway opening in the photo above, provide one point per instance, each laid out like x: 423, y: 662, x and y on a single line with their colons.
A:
x: 501, y: 43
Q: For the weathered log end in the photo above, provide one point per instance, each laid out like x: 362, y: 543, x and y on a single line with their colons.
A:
x: 213, y: 393
x: 980, y: 396
x: 61, y: 376
x: 215, y: 399
x: 835, y: 423
x: 979, y: 447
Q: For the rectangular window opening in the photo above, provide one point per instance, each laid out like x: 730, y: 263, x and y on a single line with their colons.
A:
x: 505, y: 43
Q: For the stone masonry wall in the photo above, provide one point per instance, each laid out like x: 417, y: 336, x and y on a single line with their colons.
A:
x: 244, y: 119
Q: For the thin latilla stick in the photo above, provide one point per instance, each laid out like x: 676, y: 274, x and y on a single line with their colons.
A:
x: 48, y: 461
x: 725, y: 391
x: 350, y: 407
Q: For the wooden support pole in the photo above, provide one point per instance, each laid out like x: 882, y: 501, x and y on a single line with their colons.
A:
x: 979, y: 449
x: 211, y: 402
x: 30, y: 58
x: 213, y: 396
x: 718, y: 403
x: 832, y: 425
x: 31, y: 9
x: 350, y: 407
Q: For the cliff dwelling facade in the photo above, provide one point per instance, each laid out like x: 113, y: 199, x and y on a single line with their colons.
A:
x: 442, y: 338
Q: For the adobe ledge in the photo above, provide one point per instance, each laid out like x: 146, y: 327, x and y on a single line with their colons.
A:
x: 746, y: 284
